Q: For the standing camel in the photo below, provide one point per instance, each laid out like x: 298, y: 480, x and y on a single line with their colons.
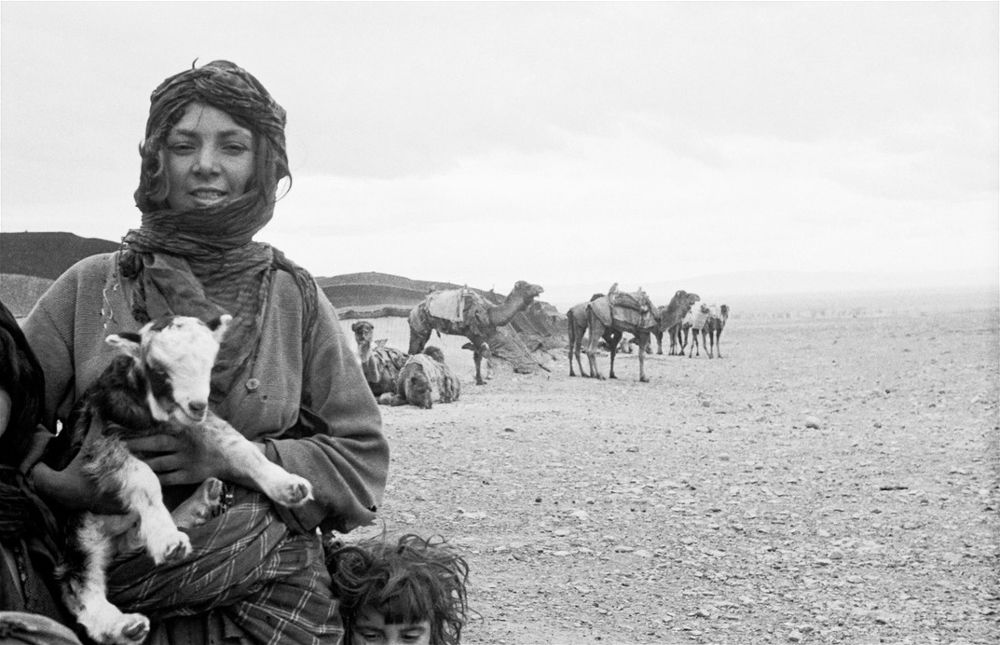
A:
x: 617, y: 313
x: 712, y: 331
x: 576, y: 324
x: 463, y: 312
x: 669, y: 318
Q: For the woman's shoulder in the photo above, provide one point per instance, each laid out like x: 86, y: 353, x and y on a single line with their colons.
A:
x: 89, y: 267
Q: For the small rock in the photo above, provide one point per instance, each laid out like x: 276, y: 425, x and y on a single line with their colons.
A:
x: 795, y: 636
x: 811, y: 422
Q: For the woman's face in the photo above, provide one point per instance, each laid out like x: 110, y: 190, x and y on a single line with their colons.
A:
x: 210, y: 159
x: 370, y: 628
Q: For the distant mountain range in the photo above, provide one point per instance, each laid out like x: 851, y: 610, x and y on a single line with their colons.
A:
x: 29, y: 261
x: 47, y: 255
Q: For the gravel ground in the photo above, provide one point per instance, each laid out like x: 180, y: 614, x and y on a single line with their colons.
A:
x: 827, y: 481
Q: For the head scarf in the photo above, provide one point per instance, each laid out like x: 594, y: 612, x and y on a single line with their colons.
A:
x: 203, y: 262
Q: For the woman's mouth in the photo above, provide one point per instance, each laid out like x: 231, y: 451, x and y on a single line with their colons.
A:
x: 207, y: 196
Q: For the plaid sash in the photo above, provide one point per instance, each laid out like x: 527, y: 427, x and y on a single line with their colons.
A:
x: 269, y: 585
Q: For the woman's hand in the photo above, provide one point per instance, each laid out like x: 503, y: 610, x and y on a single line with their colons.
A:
x: 72, y: 489
x: 178, y: 459
x: 185, y: 458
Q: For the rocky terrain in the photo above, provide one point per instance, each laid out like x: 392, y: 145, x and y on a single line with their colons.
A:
x: 828, y: 480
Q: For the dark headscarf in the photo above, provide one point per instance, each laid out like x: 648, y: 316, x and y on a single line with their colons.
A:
x: 202, y: 262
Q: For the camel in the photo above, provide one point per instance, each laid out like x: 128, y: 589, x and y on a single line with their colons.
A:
x: 463, y: 312
x: 670, y: 317
x: 380, y: 364
x: 616, y: 314
x: 425, y: 380
x: 576, y: 324
x: 708, y: 320
x: 713, y: 329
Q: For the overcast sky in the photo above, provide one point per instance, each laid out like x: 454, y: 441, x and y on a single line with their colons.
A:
x: 561, y: 143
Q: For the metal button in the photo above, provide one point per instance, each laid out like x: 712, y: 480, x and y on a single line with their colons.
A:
x: 253, y: 384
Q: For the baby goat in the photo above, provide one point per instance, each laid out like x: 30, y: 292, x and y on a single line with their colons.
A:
x: 159, y: 384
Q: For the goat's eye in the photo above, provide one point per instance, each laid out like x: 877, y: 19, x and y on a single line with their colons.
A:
x: 159, y: 374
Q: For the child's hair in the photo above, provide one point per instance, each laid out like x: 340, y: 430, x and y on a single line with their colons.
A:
x: 407, y: 582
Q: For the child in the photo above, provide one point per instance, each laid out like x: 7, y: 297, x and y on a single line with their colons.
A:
x: 410, y: 592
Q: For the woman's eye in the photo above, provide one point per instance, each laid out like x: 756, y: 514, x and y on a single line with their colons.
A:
x: 180, y: 148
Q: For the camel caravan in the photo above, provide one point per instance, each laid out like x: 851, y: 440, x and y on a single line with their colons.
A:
x: 605, y: 318
x: 422, y: 377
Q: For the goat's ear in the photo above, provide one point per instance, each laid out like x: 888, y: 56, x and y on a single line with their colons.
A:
x: 126, y: 342
x: 219, y: 326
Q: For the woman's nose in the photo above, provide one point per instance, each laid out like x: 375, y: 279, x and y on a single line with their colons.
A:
x: 206, y: 162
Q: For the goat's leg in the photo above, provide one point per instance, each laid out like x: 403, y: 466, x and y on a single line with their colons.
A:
x: 204, y: 504
x: 138, y: 488
x: 85, y: 590
x: 245, y: 458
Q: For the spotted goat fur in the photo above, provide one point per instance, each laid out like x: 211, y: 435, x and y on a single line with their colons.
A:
x: 159, y: 383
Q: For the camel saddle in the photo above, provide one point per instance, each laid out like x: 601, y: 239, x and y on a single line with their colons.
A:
x: 632, y: 309
x: 449, y: 304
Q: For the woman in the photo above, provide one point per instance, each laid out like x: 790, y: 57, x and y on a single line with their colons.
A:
x: 212, y: 159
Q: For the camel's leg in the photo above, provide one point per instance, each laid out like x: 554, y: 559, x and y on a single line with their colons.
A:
x: 718, y: 343
x: 575, y: 341
x: 694, y: 343
x: 643, y: 339
x: 477, y: 357
x: 596, y: 331
x: 613, y: 339
x: 418, y: 340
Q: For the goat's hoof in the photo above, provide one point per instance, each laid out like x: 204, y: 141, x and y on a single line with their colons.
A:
x: 203, y: 505
x: 177, y: 547
x: 127, y: 629
x: 136, y: 628
x: 293, y: 491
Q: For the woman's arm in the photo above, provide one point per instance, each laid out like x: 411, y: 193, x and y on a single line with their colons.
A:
x: 343, y: 453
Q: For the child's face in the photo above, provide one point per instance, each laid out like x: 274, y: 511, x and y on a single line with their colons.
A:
x: 370, y: 628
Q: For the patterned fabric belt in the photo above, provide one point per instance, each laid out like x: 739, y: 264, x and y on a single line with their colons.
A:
x: 246, y: 563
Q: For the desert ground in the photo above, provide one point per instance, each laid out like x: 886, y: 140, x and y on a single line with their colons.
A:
x: 830, y: 479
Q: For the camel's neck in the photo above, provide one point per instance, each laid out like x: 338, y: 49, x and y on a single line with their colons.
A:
x: 364, y: 350
x: 504, y: 312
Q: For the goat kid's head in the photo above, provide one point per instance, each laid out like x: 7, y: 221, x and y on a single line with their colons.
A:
x: 175, y: 355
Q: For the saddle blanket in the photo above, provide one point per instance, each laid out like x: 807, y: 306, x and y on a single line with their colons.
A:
x: 447, y: 304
